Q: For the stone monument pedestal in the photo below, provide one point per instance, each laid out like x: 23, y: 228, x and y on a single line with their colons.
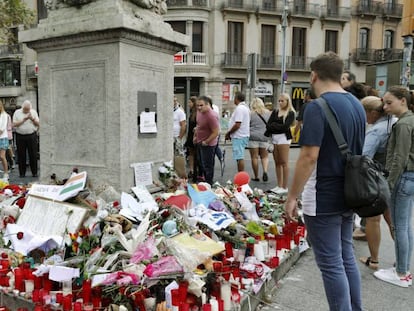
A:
x: 100, y: 65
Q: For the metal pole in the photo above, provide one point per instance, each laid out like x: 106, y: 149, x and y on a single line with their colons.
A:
x: 406, y: 65
x: 284, y: 26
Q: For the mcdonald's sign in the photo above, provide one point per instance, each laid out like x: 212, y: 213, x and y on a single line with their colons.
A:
x: 298, y: 93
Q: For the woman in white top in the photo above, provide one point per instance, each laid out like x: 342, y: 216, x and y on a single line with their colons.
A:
x: 4, y: 141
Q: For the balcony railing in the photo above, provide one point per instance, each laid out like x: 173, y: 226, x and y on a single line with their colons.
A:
x: 234, y: 60
x: 271, y: 6
x: 384, y: 55
x: 376, y: 55
x: 186, y: 58
x: 243, y: 5
x: 392, y: 9
x: 298, y: 62
x: 175, y: 3
x: 336, y: 12
x: 310, y: 10
x: 7, y: 50
x: 369, y: 8
x: 200, y: 3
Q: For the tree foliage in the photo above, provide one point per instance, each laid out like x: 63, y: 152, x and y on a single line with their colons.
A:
x: 12, y: 14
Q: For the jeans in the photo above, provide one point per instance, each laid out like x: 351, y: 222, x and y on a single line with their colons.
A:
x: 401, y: 213
x: 206, y: 157
x: 331, y: 240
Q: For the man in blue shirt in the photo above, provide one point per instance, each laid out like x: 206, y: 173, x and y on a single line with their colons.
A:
x: 319, y: 177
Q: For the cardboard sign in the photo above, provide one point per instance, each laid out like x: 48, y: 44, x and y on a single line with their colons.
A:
x: 46, y: 217
x: 71, y: 188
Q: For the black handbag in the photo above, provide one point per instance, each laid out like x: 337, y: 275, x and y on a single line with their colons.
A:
x: 365, y: 186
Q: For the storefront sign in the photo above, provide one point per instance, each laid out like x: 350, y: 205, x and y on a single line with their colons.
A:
x: 298, y: 93
x: 263, y: 88
x: 228, y: 90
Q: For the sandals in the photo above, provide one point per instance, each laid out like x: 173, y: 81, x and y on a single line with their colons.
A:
x: 374, y: 265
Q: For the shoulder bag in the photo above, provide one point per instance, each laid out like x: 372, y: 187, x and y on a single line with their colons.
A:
x: 365, y: 186
x: 267, y: 134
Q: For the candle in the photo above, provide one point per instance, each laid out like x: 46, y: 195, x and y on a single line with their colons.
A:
x: 220, y: 304
x: 87, y: 306
x: 36, y: 295
x: 67, y: 303
x: 214, y: 304
x: 206, y: 307
x: 67, y: 287
x: 59, y: 298
x: 77, y: 306
x: 226, y: 295
x: 184, y: 307
x: 86, y: 290
x: 29, y: 286
x: 18, y: 279
x: 47, y: 284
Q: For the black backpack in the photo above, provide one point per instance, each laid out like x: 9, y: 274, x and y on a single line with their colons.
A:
x: 365, y: 185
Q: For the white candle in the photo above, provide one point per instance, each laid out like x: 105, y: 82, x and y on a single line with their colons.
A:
x: 214, y: 304
x: 29, y: 286
x: 225, y: 292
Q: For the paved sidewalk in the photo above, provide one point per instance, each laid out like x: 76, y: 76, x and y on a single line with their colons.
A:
x: 302, y: 288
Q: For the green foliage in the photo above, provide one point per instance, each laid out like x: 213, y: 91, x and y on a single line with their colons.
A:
x: 12, y: 14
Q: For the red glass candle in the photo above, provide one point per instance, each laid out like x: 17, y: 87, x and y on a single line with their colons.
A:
x: 182, y: 290
x: 184, y: 307
x: 38, y: 282
x: 67, y: 303
x: 19, y: 279
x: 229, y: 249
x: 47, y: 284
x: 5, y: 264
x: 175, y: 297
x: 217, y: 266
x: 220, y: 304
x: 87, y: 290
x: 59, y: 298
x: 77, y: 306
x: 36, y: 295
x: 206, y: 307
x: 96, y: 301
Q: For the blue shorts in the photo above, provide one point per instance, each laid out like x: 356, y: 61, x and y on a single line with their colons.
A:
x: 4, y: 143
x: 239, y: 144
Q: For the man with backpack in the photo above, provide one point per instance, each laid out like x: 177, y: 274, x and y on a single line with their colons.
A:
x: 319, y: 179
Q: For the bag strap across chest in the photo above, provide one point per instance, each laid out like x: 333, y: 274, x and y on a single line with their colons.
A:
x: 333, y: 124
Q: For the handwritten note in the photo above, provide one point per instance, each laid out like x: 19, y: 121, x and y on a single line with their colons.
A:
x: 143, y: 173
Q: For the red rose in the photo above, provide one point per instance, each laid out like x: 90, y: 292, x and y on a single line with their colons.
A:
x: 4, y: 255
x: 20, y: 235
x: 21, y: 202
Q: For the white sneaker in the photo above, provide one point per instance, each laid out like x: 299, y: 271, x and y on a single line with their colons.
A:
x: 5, y: 176
x: 279, y: 190
x: 410, y: 279
x: 391, y: 276
x: 276, y: 189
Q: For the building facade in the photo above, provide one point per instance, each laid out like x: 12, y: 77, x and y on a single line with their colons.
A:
x: 376, y: 45
x: 224, y: 33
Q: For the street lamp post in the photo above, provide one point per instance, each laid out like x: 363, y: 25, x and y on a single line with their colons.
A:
x: 284, y: 26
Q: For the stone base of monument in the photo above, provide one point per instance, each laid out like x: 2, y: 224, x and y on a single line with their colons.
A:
x: 100, y: 66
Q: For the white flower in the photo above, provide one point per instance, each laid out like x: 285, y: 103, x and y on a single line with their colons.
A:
x: 163, y: 170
